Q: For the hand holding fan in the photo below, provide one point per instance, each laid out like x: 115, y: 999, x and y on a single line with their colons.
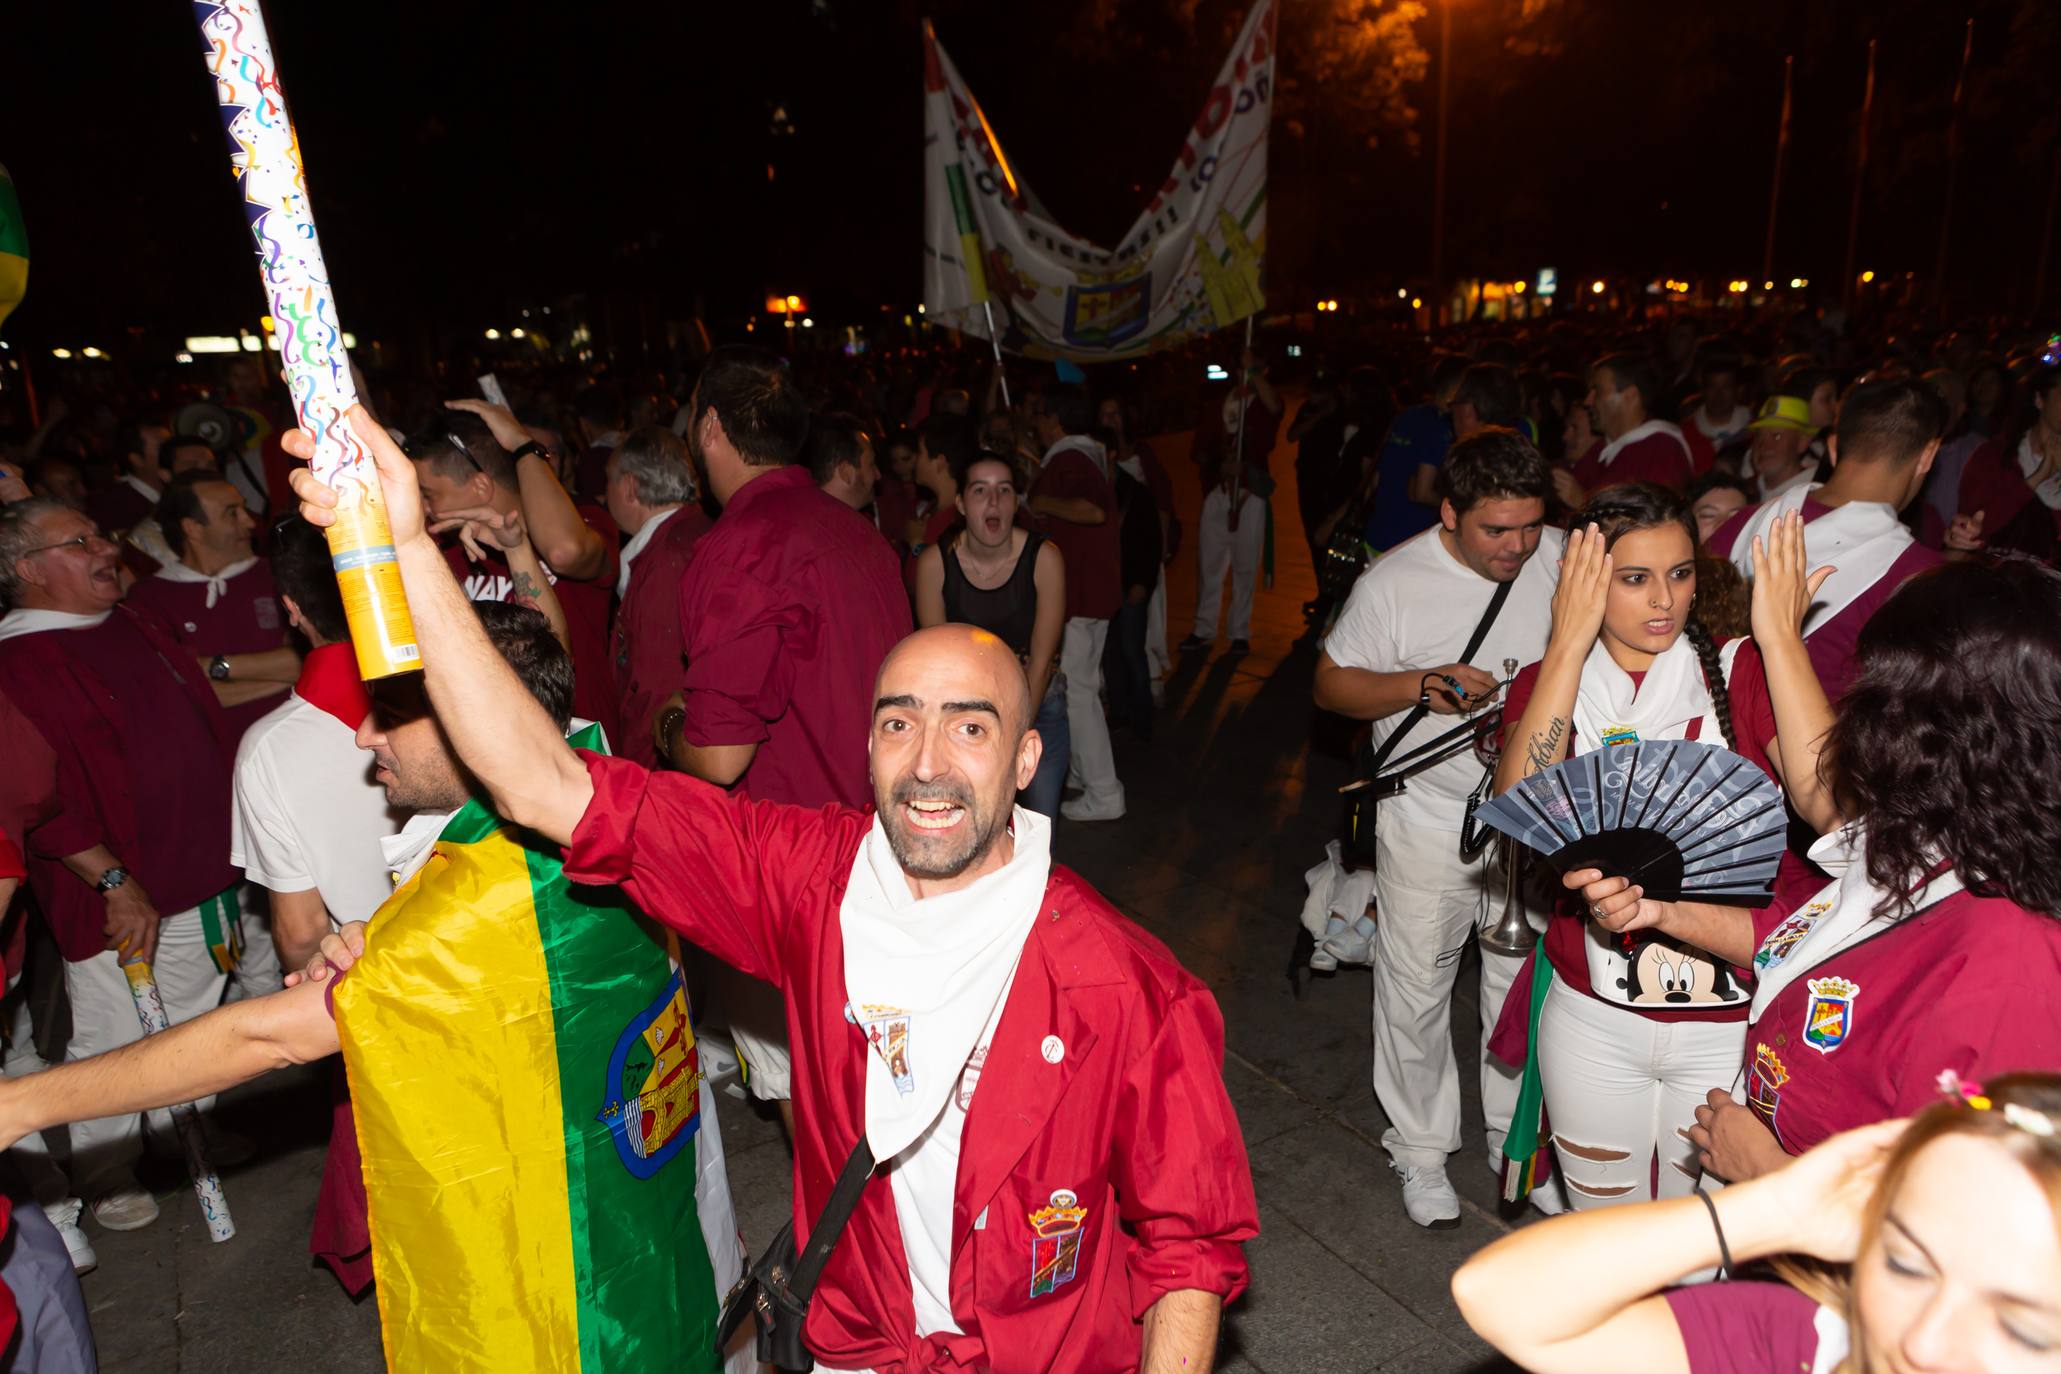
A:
x: 1680, y: 818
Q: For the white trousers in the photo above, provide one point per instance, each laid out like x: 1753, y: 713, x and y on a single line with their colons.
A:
x: 30, y: 1154
x: 104, y: 1018
x: 1621, y: 1089
x: 1219, y: 547
x: 1429, y: 903
x: 1092, y: 763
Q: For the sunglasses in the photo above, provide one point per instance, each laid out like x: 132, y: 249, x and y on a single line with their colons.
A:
x: 455, y: 442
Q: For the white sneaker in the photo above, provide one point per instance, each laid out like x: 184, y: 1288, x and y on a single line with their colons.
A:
x: 1549, y: 1197
x: 1080, y: 810
x: 1321, y: 958
x: 65, y: 1217
x: 1354, y: 945
x: 125, y: 1209
x: 1428, y: 1196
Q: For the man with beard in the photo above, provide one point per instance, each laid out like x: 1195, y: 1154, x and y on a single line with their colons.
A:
x: 786, y: 610
x: 1066, y: 1188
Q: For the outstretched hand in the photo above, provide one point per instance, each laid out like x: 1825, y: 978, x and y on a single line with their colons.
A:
x: 398, y: 485
x: 1782, y: 590
x: 1584, y: 589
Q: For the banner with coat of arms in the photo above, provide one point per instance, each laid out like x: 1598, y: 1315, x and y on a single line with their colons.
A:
x: 1189, y: 265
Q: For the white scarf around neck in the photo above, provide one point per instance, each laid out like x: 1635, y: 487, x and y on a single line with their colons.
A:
x: 1860, y: 540
x: 217, y: 582
x: 1645, y: 431
x: 1079, y: 443
x: 1610, y: 709
x: 926, y: 977
x: 636, y: 546
x: 22, y: 621
x: 2049, y: 491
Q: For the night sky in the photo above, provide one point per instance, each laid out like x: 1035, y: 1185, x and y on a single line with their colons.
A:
x: 468, y: 159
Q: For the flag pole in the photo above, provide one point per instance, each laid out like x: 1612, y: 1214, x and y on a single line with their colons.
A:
x: 1767, y: 252
x: 1860, y: 177
x: 1001, y: 373
x: 1946, y: 203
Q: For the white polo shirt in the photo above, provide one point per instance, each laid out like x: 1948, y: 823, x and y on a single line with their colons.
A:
x: 307, y: 813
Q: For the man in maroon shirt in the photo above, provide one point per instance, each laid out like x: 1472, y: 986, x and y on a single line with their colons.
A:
x: 653, y: 499
x: 1637, y: 447
x: 1074, y: 494
x: 476, y: 459
x: 135, y: 862
x: 840, y: 458
x: 218, y: 598
x: 789, y: 605
x: 132, y: 497
x: 1887, y: 436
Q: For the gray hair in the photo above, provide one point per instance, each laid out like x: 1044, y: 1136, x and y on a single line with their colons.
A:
x: 656, y: 460
x: 20, y: 535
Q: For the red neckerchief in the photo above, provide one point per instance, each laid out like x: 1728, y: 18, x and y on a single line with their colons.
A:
x: 329, y: 681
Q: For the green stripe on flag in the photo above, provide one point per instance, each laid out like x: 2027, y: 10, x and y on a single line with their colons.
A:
x: 14, y: 230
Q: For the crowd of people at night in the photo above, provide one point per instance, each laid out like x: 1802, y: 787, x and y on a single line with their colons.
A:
x: 861, y: 630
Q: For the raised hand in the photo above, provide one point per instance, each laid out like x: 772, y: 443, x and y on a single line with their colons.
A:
x: 1965, y: 534
x: 508, y: 431
x: 1828, y: 1189
x: 1583, y: 592
x: 478, y: 525
x: 397, y: 481
x: 1782, y: 590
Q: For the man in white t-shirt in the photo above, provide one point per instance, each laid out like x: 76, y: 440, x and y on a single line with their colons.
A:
x: 1401, y: 636
x: 308, y: 818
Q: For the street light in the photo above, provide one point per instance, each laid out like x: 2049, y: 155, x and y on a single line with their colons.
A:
x: 1596, y: 287
x: 493, y: 334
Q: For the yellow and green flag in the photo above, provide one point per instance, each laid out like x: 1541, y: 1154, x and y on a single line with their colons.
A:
x: 14, y: 248
x: 530, y: 1114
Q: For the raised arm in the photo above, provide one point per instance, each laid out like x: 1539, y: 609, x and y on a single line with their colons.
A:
x: 496, y: 727
x: 1049, y: 578
x: 483, y: 525
x: 563, y: 539
x: 1539, y: 738
x: 1783, y: 590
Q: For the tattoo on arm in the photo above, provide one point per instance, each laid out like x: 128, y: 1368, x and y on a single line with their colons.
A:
x: 526, y: 590
x: 1540, y: 748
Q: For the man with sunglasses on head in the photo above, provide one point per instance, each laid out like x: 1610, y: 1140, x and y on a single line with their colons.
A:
x: 134, y: 863
x: 475, y: 462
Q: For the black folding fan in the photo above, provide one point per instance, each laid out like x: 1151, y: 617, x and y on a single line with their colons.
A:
x: 1680, y: 818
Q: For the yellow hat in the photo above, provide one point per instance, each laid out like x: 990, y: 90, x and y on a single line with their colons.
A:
x: 1792, y: 413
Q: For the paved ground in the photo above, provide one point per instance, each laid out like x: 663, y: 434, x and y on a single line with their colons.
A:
x: 1229, y: 803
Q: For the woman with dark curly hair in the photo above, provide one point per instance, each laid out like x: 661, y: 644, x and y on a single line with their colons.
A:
x: 1939, y: 944
x: 1636, y: 1031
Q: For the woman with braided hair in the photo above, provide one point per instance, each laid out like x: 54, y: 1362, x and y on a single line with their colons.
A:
x: 1636, y: 1030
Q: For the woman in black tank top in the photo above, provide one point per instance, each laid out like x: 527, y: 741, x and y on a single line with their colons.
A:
x: 1010, y: 582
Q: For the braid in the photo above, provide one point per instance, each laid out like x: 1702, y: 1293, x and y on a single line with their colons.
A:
x: 1713, y: 676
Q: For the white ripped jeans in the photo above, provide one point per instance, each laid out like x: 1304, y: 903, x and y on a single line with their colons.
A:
x: 1622, y: 1088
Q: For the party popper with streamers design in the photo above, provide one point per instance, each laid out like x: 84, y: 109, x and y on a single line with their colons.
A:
x: 150, y: 1010
x: 266, y: 156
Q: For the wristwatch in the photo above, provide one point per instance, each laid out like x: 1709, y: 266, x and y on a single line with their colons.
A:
x: 218, y: 668
x: 527, y: 449
x: 112, y: 879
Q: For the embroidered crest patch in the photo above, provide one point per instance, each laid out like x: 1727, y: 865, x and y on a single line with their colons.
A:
x: 1828, y: 1020
x: 1619, y: 734
x: 1764, y: 1085
x: 1785, y: 937
x: 1056, y: 1242
x: 887, y: 1030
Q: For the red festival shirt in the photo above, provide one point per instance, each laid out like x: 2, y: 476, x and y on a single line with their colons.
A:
x: 650, y: 659
x: 1104, y: 1081
x: 789, y: 605
x: 1093, y: 553
x: 1657, y: 458
x: 245, y: 619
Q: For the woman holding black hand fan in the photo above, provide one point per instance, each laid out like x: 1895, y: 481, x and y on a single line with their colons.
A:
x: 1637, y: 1029
x: 1938, y: 947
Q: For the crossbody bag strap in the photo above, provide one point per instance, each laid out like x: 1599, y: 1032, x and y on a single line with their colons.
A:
x: 844, y: 1200
x: 1421, y: 709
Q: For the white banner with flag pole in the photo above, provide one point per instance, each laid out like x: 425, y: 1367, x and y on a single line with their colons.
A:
x: 993, y: 259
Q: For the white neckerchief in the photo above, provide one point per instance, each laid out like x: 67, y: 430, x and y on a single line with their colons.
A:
x: 1841, y: 915
x: 636, y: 546
x: 1609, y: 708
x: 1645, y: 431
x: 2049, y: 491
x: 407, y: 850
x: 149, y: 540
x: 1804, y: 480
x: 141, y: 487
x: 925, y: 977
x: 1135, y: 466
x: 22, y: 621
x: 1081, y: 443
x: 1860, y: 540
x: 217, y: 582
x: 1733, y: 426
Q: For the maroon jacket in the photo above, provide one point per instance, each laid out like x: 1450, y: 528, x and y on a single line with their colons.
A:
x: 1105, y: 1079
x: 650, y: 655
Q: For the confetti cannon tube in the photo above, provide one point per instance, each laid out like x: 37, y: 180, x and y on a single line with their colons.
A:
x: 150, y: 1010
x: 265, y: 154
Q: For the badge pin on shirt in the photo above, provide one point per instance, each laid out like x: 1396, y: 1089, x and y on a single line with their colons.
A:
x: 887, y: 1030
